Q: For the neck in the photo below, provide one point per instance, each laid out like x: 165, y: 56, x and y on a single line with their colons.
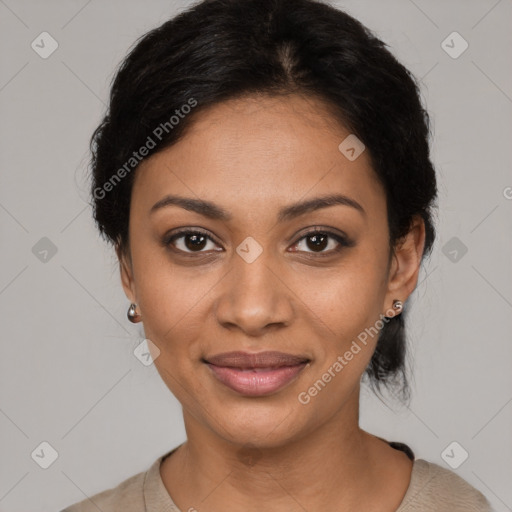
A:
x: 331, y: 467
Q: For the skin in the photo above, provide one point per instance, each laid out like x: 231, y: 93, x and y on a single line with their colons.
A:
x: 253, y: 156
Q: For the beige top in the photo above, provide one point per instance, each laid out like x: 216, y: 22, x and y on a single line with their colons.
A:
x: 432, y: 489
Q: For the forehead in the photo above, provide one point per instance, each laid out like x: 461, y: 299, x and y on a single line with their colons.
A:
x: 259, y: 150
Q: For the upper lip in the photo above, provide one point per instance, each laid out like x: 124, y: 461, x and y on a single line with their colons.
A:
x: 255, y: 360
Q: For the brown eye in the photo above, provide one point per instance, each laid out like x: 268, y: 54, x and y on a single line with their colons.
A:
x: 318, y: 241
x: 189, y: 241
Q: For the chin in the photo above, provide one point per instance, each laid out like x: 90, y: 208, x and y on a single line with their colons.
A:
x: 265, y: 425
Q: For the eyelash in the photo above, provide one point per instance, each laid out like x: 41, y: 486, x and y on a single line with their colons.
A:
x: 344, y: 242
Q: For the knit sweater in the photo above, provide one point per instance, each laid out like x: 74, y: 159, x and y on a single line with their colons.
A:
x: 432, y: 488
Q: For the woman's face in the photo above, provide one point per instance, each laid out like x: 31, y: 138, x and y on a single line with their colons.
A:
x: 255, y: 279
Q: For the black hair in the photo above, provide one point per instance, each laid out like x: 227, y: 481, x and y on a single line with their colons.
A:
x: 218, y: 50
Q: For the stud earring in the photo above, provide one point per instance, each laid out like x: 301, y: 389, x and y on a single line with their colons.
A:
x: 398, y: 305
x: 132, y: 314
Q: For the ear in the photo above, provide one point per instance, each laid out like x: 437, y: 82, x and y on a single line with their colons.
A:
x: 405, y: 264
x: 125, y: 268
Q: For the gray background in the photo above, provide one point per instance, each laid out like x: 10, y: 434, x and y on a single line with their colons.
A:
x: 68, y: 373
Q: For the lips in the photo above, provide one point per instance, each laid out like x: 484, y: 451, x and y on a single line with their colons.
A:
x: 257, y: 374
x: 245, y: 360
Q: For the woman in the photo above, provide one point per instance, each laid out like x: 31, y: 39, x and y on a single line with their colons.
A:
x: 264, y: 175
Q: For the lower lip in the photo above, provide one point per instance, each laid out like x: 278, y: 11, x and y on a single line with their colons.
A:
x: 256, y: 382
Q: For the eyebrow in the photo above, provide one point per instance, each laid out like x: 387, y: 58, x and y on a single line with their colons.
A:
x: 215, y: 212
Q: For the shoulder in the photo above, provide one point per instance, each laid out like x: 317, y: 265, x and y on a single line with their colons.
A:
x: 434, y: 488
x: 128, y: 496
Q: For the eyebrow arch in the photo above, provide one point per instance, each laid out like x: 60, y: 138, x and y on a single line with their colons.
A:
x: 215, y: 212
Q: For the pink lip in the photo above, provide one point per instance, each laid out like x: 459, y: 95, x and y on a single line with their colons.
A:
x: 256, y: 374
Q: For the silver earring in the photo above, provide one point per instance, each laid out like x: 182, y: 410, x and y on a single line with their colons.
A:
x: 132, y: 314
x: 398, y: 305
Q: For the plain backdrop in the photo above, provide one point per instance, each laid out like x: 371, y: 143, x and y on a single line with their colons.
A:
x: 69, y: 376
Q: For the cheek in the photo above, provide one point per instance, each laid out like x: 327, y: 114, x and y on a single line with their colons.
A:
x: 346, y: 309
x: 350, y: 309
x: 169, y: 298
x: 170, y: 309
x: 171, y: 306
x: 349, y: 299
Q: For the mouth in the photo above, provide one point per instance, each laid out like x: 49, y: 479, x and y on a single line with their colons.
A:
x: 256, y: 374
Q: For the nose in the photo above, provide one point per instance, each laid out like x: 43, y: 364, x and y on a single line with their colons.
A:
x: 254, y: 297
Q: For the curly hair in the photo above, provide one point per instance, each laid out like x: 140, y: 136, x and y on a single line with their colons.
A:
x: 218, y: 50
